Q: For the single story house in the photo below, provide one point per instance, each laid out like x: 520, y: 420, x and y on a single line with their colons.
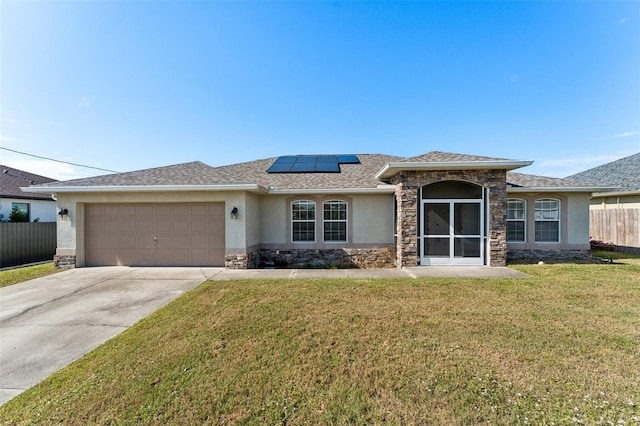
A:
x: 615, y: 215
x: 37, y: 206
x: 365, y: 210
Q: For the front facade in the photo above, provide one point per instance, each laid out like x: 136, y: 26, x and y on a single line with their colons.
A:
x: 365, y: 210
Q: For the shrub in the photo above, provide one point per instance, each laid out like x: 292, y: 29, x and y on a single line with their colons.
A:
x: 601, y: 245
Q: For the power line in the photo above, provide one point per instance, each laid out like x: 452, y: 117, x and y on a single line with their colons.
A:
x: 58, y: 161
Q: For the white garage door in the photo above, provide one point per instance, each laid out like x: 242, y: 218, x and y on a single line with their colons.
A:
x: 154, y: 234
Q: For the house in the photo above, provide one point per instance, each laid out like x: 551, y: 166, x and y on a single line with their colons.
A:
x: 37, y: 206
x: 615, y: 215
x: 365, y: 210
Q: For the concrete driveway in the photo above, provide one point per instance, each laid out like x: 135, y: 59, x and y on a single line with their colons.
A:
x: 47, y: 323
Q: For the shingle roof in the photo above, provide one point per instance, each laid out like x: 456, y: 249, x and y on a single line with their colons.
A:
x: 253, y: 172
x: 623, y: 174
x: 12, y: 179
x: 355, y: 176
x: 533, y: 181
x: 351, y: 175
x: 446, y: 157
x: 195, y: 173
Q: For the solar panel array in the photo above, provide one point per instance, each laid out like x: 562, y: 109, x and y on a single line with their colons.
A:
x: 311, y: 163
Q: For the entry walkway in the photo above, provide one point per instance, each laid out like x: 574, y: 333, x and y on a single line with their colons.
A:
x: 49, y: 322
x: 412, y: 272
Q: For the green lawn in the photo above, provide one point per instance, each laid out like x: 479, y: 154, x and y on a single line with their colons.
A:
x: 561, y: 347
x: 18, y: 275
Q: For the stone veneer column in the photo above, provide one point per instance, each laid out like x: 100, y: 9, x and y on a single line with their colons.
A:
x: 407, y: 225
x: 498, y: 223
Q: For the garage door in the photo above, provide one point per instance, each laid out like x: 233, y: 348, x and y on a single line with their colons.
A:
x: 154, y: 234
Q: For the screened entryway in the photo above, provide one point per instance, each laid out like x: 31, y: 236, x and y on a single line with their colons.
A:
x: 452, y: 224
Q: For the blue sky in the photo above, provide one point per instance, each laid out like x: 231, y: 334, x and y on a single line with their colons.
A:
x: 131, y: 85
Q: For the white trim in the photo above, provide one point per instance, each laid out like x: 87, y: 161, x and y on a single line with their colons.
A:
x: 144, y: 188
x: 380, y: 189
x: 392, y: 168
x: 514, y: 189
x: 346, y: 222
x: 451, y: 236
x: 615, y: 194
x: 314, y: 221
x: 524, y: 220
x: 558, y: 220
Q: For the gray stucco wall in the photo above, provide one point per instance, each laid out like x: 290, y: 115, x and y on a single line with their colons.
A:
x: 371, y: 218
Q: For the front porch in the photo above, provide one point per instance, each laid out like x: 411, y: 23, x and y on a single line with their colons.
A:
x: 452, y: 217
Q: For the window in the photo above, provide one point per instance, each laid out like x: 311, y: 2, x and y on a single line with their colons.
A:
x: 335, y: 221
x: 23, y: 209
x: 516, y: 219
x: 303, y: 221
x: 547, y: 220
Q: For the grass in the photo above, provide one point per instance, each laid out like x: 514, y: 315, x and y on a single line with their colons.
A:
x: 18, y: 275
x: 617, y: 257
x: 561, y: 347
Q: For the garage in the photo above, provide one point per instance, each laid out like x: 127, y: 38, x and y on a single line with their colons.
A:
x: 154, y: 234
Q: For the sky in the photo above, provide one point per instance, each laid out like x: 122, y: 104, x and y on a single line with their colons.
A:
x: 130, y: 85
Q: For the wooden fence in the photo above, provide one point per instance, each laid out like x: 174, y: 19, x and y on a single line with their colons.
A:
x: 617, y: 226
x: 26, y: 242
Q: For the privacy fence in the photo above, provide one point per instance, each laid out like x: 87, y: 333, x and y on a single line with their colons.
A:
x: 26, y: 242
x: 620, y: 227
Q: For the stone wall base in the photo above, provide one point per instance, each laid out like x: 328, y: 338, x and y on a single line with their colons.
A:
x: 236, y: 261
x: 242, y: 261
x: 547, y: 255
x: 378, y: 257
x: 64, y: 261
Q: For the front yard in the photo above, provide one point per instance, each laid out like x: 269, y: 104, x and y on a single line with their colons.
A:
x: 18, y: 275
x: 561, y: 347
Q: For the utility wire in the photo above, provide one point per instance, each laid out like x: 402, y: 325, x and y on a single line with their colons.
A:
x: 58, y: 161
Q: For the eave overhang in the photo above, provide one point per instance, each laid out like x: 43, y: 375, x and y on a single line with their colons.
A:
x: 254, y: 188
x: 380, y: 189
x: 145, y: 188
x: 616, y: 193
x: 393, y: 168
x: 587, y: 189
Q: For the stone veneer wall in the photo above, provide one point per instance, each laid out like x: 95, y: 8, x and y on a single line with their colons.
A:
x: 409, y: 182
x: 242, y: 261
x: 530, y: 255
x: 64, y: 261
x: 378, y: 257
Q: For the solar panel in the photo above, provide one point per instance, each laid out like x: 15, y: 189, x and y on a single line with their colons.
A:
x: 311, y: 163
x: 287, y: 159
x: 348, y: 159
x: 307, y: 159
x: 327, y: 167
x: 327, y: 159
x: 280, y: 168
x: 303, y: 167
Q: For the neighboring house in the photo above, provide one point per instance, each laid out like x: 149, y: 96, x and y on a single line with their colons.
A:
x: 40, y: 207
x: 365, y: 210
x: 615, y: 215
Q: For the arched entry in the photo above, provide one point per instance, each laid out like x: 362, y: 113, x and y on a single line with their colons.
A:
x: 453, y: 227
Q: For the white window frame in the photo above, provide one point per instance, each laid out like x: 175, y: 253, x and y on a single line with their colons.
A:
x: 523, y: 219
x: 325, y: 221
x: 540, y: 218
x: 307, y: 220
